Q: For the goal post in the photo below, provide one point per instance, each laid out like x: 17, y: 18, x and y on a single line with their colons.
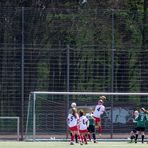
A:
x: 47, y: 112
x: 8, y: 121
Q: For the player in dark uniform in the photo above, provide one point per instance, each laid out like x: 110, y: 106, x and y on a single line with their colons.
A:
x: 133, y: 132
x: 140, y: 126
x: 91, y: 128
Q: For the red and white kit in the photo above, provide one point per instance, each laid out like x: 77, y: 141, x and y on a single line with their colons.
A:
x: 72, y: 122
x: 84, y: 122
x: 99, y: 110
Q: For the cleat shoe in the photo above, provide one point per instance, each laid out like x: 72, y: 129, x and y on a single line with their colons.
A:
x: 71, y: 143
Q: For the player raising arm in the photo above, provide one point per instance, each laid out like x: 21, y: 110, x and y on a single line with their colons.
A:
x: 72, y: 121
x: 144, y: 110
x: 99, y: 110
x: 74, y: 105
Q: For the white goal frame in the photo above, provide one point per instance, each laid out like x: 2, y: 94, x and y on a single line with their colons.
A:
x: 35, y: 93
x: 18, y: 123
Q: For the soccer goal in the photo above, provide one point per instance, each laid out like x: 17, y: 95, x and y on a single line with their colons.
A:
x: 47, y: 113
x: 9, y: 128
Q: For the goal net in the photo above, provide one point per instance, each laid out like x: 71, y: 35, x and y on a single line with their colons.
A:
x: 47, y: 113
x: 10, y: 127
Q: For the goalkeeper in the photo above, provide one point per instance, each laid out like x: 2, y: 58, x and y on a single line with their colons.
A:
x: 133, y: 132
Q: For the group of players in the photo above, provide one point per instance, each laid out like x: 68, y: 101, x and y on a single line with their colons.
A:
x: 140, y: 119
x: 82, y: 126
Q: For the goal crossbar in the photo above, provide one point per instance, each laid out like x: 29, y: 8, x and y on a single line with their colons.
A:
x: 90, y: 93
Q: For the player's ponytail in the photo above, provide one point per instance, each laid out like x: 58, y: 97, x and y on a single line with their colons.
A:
x: 81, y: 113
x: 74, y: 112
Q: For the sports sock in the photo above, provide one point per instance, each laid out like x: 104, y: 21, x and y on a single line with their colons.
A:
x: 142, y: 138
x: 72, y: 137
x: 76, y: 138
x: 89, y: 137
x: 94, y: 136
x: 136, y: 138
x: 80, y: 138
x: 85, y: 140
x: 100, y: 129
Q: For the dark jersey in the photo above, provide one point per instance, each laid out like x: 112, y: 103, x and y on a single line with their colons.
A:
x: 91, y: 119
x: 141, y: 120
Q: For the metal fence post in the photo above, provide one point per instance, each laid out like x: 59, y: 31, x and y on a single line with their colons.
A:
x: 22, y: 77
x: 112, y: 79
x: 68, y: 60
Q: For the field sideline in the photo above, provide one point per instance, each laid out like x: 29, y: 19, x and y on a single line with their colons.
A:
x: 65, y: 144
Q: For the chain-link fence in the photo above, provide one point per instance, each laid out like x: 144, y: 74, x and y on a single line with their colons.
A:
x: 69, y: 50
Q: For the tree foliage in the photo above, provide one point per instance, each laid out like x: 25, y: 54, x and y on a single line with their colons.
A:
x: 49, y: 24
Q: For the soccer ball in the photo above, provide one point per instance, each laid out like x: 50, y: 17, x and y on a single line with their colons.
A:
x: 73, y: 105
